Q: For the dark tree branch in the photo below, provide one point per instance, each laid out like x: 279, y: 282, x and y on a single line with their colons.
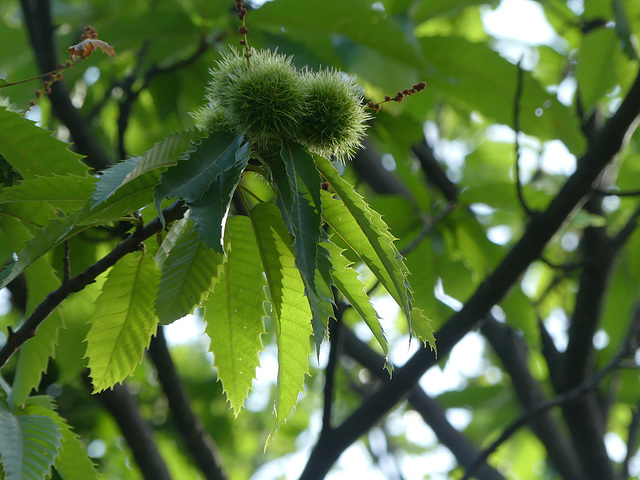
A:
x: 585, y: 417
x: 368, y: 166
x: 37, y: 16
x: 335, y: 352
x: 512, y: 351
x: 579, y: 390
x: 199, y: 443
x: 28, y: 329
x: 539, y: 231
x: 426, y: 406
x: 131, y: 94
x: 628, y: 348
x: 434, y: 173
x: 139, y: 436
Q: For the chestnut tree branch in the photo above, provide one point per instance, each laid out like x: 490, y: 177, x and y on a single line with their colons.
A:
x: 130, y: 244
x: 608, y: 142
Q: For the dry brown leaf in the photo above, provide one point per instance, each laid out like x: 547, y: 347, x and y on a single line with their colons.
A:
x: 84, y: 48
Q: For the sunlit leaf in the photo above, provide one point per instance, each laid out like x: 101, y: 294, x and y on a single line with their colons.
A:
x: 234, y: 313
x: 290, y: 309
x: 189, y: 269
x: 123, y: 324
x: 366, y: 234
x: 347, y: 282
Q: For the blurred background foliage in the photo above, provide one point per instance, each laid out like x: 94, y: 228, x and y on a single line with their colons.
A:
x: 454, y: 229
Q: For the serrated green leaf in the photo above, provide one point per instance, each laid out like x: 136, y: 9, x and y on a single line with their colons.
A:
x: 33, y: 356
x: 422, y: 328
x: 56, y: 232
x: 65, y: 193
x: 32, y: 151
x: 28, y: 444
x: 189, y: 270
x: 305, y: 209
x: 190, y: 178
x: 130, y: 198
x: 290, y: 309
x: 347, y: 282
x: 210, y: 211
x: 234, y: 313
x: 366, y: 234
x: 164, y: 153
x: 301, y: 206
x: 123, y: 322
x: 72, y: 463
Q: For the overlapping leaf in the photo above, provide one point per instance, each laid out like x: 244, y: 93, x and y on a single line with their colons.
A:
x: 33, y: 357
x: 347, y: 282
x: 366, y: 234
x: 300, y: 204
x: 189, y: 269
x: 57, y: 231
x: 28, y: 444
x: 32, y: 151
x: 123, y: 324
x: 190, y: 179
x: 163, y: 154
x: 290, y: 309
x: 234, y: 313
x: 72, y: 462
x: 64, y: 192
x: 209, y: 212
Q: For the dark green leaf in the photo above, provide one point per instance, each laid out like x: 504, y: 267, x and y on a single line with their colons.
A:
x: 190, y: 178
x: 210, y: 211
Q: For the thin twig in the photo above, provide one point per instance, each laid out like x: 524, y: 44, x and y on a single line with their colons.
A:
x: 427, y: 227
x: 614, y: 193
x: 516, y: 127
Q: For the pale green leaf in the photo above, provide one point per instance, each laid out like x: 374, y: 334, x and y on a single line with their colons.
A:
x: 32, y: 151
x: 164, y: 153
x: 189, y: 270
x: 64, y: 192
x: 366, y: 234
x: 422, y: 328
x: 234, y: 313
x: 123, y: 322
x: 28, y: 444
x: 347, y: 282
x: 290, y: 309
